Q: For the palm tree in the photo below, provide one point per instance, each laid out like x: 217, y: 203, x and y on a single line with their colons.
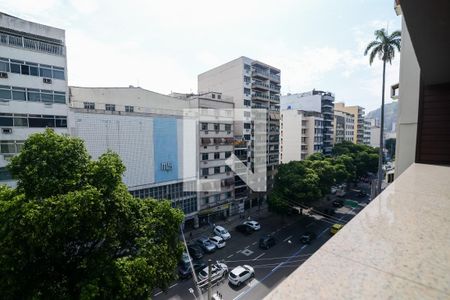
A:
x: 384, y: 46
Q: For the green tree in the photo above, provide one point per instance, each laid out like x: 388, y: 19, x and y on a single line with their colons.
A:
x: 326, y: 172
x: 295, y: 183
x: 71, y: 229
x: 384, y: 46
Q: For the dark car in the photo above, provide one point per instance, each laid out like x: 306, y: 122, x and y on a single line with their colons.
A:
x: 245, y: 229
x: 361, y: 194
x: 266, y: 242
x: 338, y: 203
x: 195, y: 251
x: 184, y: 270
x: 308, y: 237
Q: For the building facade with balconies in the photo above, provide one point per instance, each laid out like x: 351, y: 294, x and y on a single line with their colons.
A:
x: 358, y: 125
x: 33, y: 84
x: 345, y: 130
x: 301, y: 134
x: 319, y: 101
x: 253, y: 85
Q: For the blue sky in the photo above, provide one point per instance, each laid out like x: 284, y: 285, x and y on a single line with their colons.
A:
x: 163, y: 45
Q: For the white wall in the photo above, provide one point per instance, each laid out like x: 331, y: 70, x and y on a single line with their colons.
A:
x: 290, y: 148
x: 307, y: 103
x: 408, y: 107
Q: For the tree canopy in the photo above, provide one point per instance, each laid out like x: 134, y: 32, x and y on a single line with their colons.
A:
x: 72, y: 230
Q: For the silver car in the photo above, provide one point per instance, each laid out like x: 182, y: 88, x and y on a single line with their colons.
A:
x: 206, y: 245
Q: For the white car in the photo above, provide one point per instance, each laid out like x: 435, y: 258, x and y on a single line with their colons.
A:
x: 241, y: 274
x: 253, y: 224
x: 222, y: 232
x: 218, y: 241
x: 217, y: 270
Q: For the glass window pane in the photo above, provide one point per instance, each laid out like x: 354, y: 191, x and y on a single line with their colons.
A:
x: 22, y: 122
x: 46, y: 96
x: 61, y: 122
x: 4, y: 66
x: 19, y: 95
x: 7, y: 147
x: 34, y: 95
x: 34, y: 70
x: 59, y: 97
x: 6, y: 120
x: 45, y: 72
x: 25, y: 70
x: 15, y: 68
x: 5, y: 94
x: 58, y: 74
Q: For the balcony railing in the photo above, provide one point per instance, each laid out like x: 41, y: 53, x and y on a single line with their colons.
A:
x: 256, y: 84
x: 260, y: 73
x: 32, y: 44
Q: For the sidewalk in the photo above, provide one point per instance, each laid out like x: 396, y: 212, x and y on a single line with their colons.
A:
x: 229, y: 223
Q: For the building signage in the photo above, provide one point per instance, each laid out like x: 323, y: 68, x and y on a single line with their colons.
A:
x: 166, y: 166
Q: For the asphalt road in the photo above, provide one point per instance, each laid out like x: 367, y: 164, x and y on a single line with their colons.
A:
x: 272, y: 265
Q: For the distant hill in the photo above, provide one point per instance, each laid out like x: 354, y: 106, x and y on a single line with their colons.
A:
x: 390, y: 115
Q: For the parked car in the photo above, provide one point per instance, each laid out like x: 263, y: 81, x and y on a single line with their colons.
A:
x: 333, y: 190
x: 195, y: 251
x: 335, y: 228
x: 338, y: 203
x: 267, y: 241
x: 222, y: 232
x: 184, y: 270
x: 341, y: 193
x: 244, y: 228
x: 185, y: 258
x: 308, y: 237
x: 206, y: 245
x: 217, y: 241
x: 217, y: 270
x: 240, y: 274
x: 253, y: 224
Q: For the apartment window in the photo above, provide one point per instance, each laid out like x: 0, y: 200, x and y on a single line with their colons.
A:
x: 15, y: 66
x: 19, y: 93
x: 58, y: 73
x: 34, y: 69
x: 228, y: 127
x: 205, y: 172
x: 45, y: 71
x: 129, y: 108
x: 216, y: 170
x: 59, y: 97
x: 247, y: 91
x: 247, y: 137
x: 205, y: 200
x: 46, y: 96
x: 20, y: 120
x: 205, y: 156
x: 227, y: 169
x: 219, y: 97
x: 89, y: 105
x: 246, y: 79
x: 4, y: 64
x: 216, y: 127
x: 204, y: 126
x: 247, y: 103
x: 25, y: 70
x: 227, y: 154
x: 247, y: 125
x: 5, y: 92
x: 246, y: 67
x: 217, y: 155
x: 34, y: 95
x: 110, y: 107
x: 6, y: 120
x: 213, y: 96
x: 247, y: 114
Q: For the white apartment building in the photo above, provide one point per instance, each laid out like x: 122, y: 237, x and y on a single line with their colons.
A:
x: 367, y: 132
x: 157, y: 144
x: 33, y: 84
x: 216, y: 144
x: 301, y: 134
x: 253, y: 85
x: 346, y: 120
x: 319, y: 101
x: 358, y: 125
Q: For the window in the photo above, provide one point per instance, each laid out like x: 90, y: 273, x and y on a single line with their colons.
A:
x: 34, y: 69
x: 15, y: 66
x: 213, y: 96
x: 20, y: 120
x: 110, y: 107
x: 204, y: 126
x: 4, y: 174
x: 19, y: 93
x: 89, y: 105
x: 216, y: 155
x: 4, y: 65
x: 25, y: 70
x: 5, y: 92
x: 61, y: 122
x: 205, y: 156
x: 247, y: 125
x: 247, y: 103
x: 7, y: 147
x: 6, y: 120
x: 58, y: 73
x: 46, y: 96
x: 227, y: 154
x: 227, y: 169
x: 216, y: 127
x: 246, y: 79
x: 34, y: 95
x: 247, y: 114
x: 205, y: 172
x: 59, y: 97
x: 129, y: 108
x: 219, y: 96
x: 45, y: 71
x: 228, y: 127
x: 216, y: 170
x: 247, y: 91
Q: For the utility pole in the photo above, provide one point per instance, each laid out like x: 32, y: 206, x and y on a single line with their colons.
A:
x: 209, y: 279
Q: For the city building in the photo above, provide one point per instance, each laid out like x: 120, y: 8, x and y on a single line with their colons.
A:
x: 318, y: 101
x: 301, y: 134
x: 358, y: 125
x: 373, y: 256
x: 156, y: 143
x: 216, y: 144
x: 367, y: 132
x: 33, y: 84
x: 253, y: 85
x: 374, y: 127
x: 348, y: 121
x: 339, y: 129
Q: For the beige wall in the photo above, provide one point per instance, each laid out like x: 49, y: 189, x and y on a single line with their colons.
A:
x: 408, y: 105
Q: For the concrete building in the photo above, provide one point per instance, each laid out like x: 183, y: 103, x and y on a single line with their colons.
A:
x: 216, y: 144
x: 374, y: 127
x: 349, y: 127
x: 33, y: 84
x: 358, y: 125
x: 301, y: 134
x: 367, y: 132
x: 318, y: 101
x: 253, y: 85
x: 157, y: 144
x: 338, y: 129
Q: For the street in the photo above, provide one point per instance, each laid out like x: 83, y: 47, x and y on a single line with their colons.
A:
x: 273, y: 265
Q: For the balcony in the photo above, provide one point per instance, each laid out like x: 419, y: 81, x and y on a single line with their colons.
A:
x: 397, y: 247
x: 260, y: 85
x: 275, y: 87
x: 260, y: 96
x: 31, y: 44
x: 275, y: 77
x: 275, y: 98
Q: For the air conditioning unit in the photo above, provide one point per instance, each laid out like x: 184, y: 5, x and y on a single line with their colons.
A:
x: 6, y: 130
x: 47, y: 80
x: 3, y: 75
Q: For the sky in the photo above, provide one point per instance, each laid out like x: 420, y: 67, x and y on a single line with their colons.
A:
x: 162, y: 45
